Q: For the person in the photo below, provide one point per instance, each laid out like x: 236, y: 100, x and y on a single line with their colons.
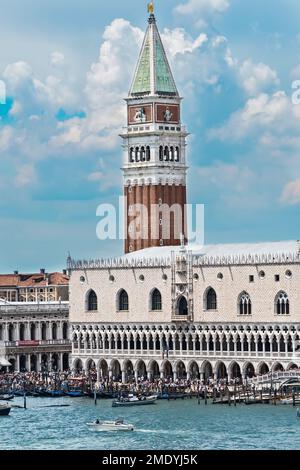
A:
x: 140, y: 115
x: 97, y: 421
x: 168, y: 115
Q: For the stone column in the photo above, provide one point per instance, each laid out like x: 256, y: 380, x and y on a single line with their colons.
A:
x: 174, y: 375
x: 149, y: 375
x: 110, y: 374
x: 123, y: 376
x: 109, y: 345
x: 59, y: 330
x: 98, y: 375
x: 162, y: 374
x: 27, y: 362
x: 39, y: 359
x: 136, y: 375
x: 235, y: 347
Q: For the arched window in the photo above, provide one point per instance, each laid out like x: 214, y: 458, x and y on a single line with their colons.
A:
x: 137, y: 154
x: 177, y: 154
x: 156, y: 303
x: 44, y: 331
x: 65, y: 331
x: 92, y: 304
x: 282, y: 304
x: 182, y: 306
x: 166, y: 154
x: 54, y: 331
x: 131, y: 157
x: 142, y: 154
x: 148, y: 154
x: 211, y: 299
x: 245, y: 307
x: 172, y: 154
x: 123, y: 303
x: 161, y: 153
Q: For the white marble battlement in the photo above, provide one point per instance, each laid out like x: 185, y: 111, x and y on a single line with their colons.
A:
x: 208, y: 255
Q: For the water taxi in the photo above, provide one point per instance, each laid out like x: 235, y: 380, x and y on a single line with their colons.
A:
x: 118, y: 425
x: 135, y: 401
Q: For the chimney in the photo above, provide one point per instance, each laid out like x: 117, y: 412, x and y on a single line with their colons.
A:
x: 64, y: 272
x: 42, y: 271
x: 16, y: 273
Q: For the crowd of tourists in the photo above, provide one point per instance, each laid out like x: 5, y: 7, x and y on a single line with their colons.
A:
x: 30, y: 381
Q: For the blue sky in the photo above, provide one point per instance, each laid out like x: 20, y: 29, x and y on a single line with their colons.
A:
x: 67, y: 65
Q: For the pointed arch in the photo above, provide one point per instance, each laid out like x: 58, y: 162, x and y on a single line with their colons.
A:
x: 155, y: 300
x: 282, y: 303
x: 91, y: 301
x: 182, y: 306
x: 210, y: 299
x: 122, y: 300
x: 244, y: 304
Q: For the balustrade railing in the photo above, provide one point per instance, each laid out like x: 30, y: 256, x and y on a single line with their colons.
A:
x: 186, y: 353
x: 29, y: 307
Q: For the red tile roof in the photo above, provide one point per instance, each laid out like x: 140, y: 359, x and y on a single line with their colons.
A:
x: 32, y: 280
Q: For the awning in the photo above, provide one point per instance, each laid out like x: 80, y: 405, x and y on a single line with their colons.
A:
x: 4, y: 362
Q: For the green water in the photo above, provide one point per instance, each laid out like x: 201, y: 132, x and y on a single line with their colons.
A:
x: 181, y: 424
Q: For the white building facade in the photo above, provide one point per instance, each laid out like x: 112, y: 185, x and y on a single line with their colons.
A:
x: 165, y: 310
x: 34, y: 322
x: 223, y: 311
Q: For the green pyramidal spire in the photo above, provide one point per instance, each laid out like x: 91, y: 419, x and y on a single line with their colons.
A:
x: 153, y: 74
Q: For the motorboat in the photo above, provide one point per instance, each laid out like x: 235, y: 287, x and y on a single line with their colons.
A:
x: 118, y: 425
x: 4, y: 410
x: 289, y: 401
x: 298, y: 413
x: 6, y: 397
x: 74, y: 393
x: 135, y: 401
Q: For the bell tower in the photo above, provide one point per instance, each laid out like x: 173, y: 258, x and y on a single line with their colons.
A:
x: 154, y: 145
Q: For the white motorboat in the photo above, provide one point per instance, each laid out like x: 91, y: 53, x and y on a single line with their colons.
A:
x: 4, y: 410
x: 289, y: 401
x: 118, y: 425
x: 132, y: 400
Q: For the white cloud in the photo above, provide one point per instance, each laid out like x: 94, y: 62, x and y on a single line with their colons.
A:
x: 177, y: 41
x: 57, y: 59
x: 15, y: 109
x: 291, y: 193
x: 16, y: 73
x: 25, y: 175
x: 6, y: 138
x: 262, y: 113
x: 202, y: 6
x: 256, y: 78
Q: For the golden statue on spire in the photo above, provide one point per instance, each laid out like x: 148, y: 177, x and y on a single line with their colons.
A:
x: 151, y: 8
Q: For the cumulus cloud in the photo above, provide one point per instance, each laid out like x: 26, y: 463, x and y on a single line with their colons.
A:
x: 25, y: 175
x: 256, y: 78
x: 202, y: 6
x: 57, y: 59
x: 291, y: 193
x: 6, y: 138
x: 262, y: 113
